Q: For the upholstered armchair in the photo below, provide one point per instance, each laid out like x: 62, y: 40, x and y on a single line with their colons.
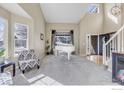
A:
x: 28, y: 59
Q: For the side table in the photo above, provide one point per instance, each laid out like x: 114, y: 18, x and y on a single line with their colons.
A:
x: 9, y: 63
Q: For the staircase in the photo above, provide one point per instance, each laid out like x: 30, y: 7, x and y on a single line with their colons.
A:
x: 114, y: 44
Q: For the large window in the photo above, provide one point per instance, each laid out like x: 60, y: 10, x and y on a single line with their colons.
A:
x: 2, y: 32
x: 63, y: 39
x: 21, y: 37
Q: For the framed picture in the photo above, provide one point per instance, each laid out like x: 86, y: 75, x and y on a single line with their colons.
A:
x: 41, y: 36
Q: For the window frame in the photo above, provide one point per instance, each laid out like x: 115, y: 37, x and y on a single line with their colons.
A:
x: 5, y: 37
x: 27, y: 41
x: 64, y: 36
x: 97, y: 6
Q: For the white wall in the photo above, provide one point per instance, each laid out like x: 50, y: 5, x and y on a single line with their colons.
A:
x: 62, y: 27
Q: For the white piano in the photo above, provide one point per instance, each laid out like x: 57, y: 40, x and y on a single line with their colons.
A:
x: 67, y: 48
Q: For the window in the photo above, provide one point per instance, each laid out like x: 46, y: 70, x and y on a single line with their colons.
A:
x: 65, y: 39
x: 93, y: 8
x: 21, y: 38
x: 2, y: 32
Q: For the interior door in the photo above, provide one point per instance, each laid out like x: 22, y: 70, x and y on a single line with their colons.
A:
x: 88, y: 42
x: 94, y: 45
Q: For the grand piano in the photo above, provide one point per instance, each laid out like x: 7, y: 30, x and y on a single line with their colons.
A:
x: 67, y: 48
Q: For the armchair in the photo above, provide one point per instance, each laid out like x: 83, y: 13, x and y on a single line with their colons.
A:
x: 28, y: 59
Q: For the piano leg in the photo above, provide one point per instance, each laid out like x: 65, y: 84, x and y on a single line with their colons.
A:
x: 69, y: 56
x: 56, y: 52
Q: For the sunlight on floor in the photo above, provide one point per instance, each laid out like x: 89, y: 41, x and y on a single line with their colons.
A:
x: 95, y: 58
x: 43, y: 80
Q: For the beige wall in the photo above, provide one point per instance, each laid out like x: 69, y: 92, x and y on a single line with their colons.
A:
x: 35, y: 12
x: 63, y: 27
x: 90, y: 24
x: 9, y: 34
x: 122, y: 15
x: 5, y: 14
x: 99, y: 23
x: 36, y: 26
x: 110, y: 24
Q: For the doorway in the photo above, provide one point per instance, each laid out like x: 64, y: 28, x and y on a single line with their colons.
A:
x: 92, y: 44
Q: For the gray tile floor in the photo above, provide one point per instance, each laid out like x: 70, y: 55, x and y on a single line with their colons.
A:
x: 59, y: 71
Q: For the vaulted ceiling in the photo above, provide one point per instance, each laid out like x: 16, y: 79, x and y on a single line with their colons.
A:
x: 53, y: 12
x: 15, y: 8
x: 63, y: 12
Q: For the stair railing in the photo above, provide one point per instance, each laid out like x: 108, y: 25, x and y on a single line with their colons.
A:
x: 114, y: 44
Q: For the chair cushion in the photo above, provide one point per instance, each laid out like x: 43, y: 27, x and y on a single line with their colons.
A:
x: 28, y: 59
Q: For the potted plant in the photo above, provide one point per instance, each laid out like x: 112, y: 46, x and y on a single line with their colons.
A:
x: 47, y: 48
x: 2, y: 52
